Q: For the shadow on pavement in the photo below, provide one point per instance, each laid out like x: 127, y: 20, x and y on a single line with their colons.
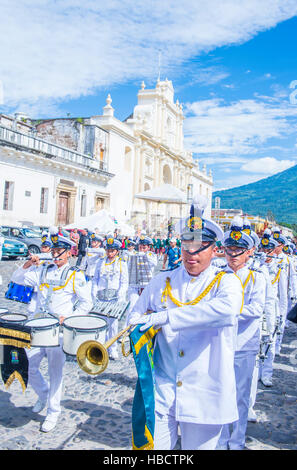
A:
x: 12, y: 416
x: 105, y: 425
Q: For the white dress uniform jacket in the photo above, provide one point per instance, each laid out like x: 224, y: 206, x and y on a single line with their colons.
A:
x: 194, y: 353
x: 249, y: 321
x: 93, y: 255
x: 63, y: 297
x: 111, y: 275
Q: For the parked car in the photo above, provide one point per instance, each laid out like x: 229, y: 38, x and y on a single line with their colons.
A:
x: 12, y: 248
x: 30, y: 237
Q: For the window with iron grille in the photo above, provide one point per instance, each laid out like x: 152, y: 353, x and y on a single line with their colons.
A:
x: 44, y: 201
x: 8, y: 196
x: 83, y: 206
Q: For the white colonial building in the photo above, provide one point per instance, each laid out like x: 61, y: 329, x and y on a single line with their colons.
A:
x: 56, y: 170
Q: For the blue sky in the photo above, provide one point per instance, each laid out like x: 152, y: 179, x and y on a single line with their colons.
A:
x: 231, y: 64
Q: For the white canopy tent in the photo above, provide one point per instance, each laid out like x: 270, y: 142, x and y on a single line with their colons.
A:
x: 105, y: 223
x: 101, y: 219
x: 167, y: 193
x: 125, y: 229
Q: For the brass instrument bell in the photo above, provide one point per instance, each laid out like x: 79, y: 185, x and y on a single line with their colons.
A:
x: 92, y: 356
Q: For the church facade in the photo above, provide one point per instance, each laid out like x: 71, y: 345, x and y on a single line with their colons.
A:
x: 77, y: 166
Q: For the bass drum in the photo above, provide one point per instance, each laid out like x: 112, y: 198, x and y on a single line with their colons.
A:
x: 13, y: 318
x: 81, y: 328
x: 44, y: 332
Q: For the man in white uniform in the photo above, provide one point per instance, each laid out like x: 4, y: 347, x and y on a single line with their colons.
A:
x: 93, y: 254
x: 258, y: 263
x: 58, y: 301
x: 196, y: 308
x: 44, y: 258
x: 284, y: 262
x: 238, y: 247
x: 278, y: 283
x: 110, y: 283
x: 145, y: 266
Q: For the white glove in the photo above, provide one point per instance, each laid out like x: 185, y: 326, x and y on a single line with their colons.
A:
x: 156, y: 319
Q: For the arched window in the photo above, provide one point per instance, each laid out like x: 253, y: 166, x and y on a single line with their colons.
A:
x: 167, y: 176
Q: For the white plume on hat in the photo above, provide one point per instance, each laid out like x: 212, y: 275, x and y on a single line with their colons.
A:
x: 200, y: 203
x: 53, y: 230
x: 237, y: 222
x: 267, y: 231
x: 275, y: 229
x: 246, y: 221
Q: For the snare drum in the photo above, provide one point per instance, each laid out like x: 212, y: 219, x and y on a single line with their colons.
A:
x: 15, y: 318
x: 81, y: 328
x: 19, y: 293
x: 44, y: 332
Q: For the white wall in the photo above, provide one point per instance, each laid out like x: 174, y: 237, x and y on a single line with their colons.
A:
x: 26, y: 208
x: 120, y: 186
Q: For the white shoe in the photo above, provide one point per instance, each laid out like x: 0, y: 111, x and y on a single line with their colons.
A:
x: 39, y: 405
x: 252, y: 417
x: 49, y: 423
x: 266, y: 382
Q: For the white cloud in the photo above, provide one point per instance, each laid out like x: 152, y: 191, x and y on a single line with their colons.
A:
x: 267, y: 165
x: 240, y: 128
x: 59, y: 50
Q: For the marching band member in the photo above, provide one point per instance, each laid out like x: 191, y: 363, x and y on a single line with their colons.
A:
x: 45, y: 248
x: 258, y: 263
x: 196, y: 306
x: 58, y: 302
x: 93, y: 254
x: 146, y: 264
x: 144, y: 246
x: 110, y: 282
x: 130, y: 250
x: 218, y: 258
x: 278, y: 283
x: 292, y: 274
x: 238, y: 247
x: 285, y: 263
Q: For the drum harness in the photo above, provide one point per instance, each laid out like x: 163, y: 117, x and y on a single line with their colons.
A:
x: 108, y: 303
x: 51, y: 285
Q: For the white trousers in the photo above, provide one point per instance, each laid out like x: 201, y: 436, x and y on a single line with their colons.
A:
x: 53, y: 390
x: 244, y: 363
x: 254, y: 385
x: 193, y: 436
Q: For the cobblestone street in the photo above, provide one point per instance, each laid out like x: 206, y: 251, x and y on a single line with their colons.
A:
x: 96, y: 410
